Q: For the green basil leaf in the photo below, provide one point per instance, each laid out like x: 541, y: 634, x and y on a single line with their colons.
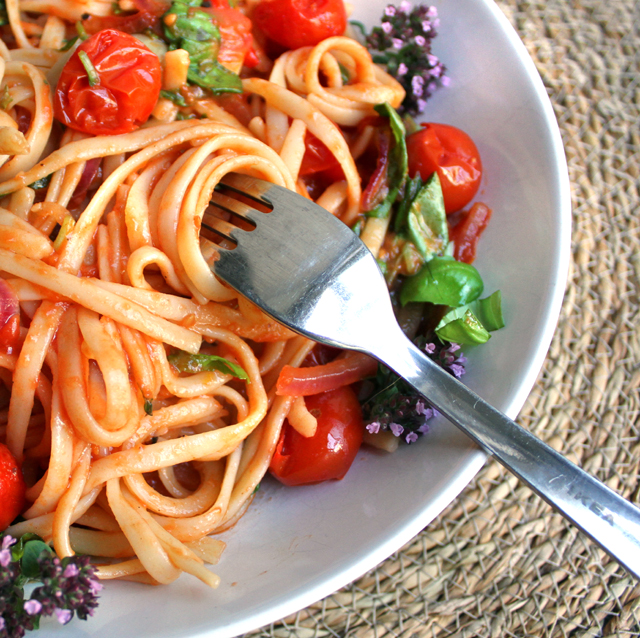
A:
x: 213, y: 76
x: 174, y: 96
x: 17, y: 551
x: 465, y: 330
x: 443, y: 281
x: 196, y: 32
x: 398, y: 161
x: 426, y: 220
x: 459, y: 327
x: 32, y: 551
x: 148, y: 407
x: 194, y: 363
x: 489, y: 311
x: 411, y: 188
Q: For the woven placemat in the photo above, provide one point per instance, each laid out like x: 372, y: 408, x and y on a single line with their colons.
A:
x: 498, y: 562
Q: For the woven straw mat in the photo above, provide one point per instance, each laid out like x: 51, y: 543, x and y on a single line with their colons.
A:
x: 499, y: 562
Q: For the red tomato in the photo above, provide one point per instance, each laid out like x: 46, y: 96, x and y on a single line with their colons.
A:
x: 317, y: 157
x: 129, y: 75
x: 300, y: 23
x: 465, y: 235
x: 12, y: 488
x: 330, y: 452
x: 236, y: 40
x: 452, y: 154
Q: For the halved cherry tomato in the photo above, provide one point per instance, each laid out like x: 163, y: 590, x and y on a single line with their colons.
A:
x: 317, y: 157
x: 452, y: 154
x: 300, y: 23
x: 12, y: 488
x: 330, y: 452
x: 129, y: 75
x: 466, y: 233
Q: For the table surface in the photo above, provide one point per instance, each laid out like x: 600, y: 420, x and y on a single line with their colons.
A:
x: 498, y: 562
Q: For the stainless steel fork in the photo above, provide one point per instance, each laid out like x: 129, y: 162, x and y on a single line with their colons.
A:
x: 309, y: 271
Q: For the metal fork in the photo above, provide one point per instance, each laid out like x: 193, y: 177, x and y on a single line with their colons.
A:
x: 310, y: 272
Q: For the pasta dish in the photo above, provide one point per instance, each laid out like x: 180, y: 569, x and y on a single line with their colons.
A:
x: 144, y: 399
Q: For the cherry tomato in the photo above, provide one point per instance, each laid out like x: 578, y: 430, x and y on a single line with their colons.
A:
x: 328, y: 454
x: 129, y: 79
x: 12, y: 488
x: 452, y: 154
x: 300, y: 23
x: 317, y: 157
x: 236, y: 40
x: 466, y: 233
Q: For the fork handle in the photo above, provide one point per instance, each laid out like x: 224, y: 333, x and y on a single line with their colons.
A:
x: 610, y: 520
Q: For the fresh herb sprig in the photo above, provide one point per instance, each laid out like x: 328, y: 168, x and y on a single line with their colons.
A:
x: 403, y: 44
x: 187, y: 27
x: 69, y: 585
x: 395, y: 406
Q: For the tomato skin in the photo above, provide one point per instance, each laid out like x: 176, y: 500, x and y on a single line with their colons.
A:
x: 300, y: 23
x: 12, y: 488
x: 452, y: 154
x: 330, y: 452
x: 130, y: 80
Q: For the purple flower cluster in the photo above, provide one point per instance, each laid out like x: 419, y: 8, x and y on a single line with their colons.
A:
x: 404, y: 414
x: 397, y: 407
x: 403, y: 44
x: 69, y: 586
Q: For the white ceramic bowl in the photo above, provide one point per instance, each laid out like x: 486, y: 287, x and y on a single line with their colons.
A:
x: 295, y: 546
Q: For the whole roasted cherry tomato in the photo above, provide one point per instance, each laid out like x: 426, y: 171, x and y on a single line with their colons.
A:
x: 300, y: 460
x: 114, y: 90
x: 300, y: 23
x: 12, y: 488
x: 452, y: 154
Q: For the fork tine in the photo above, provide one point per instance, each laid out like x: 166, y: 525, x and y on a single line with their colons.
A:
x: 218, y: 226
x: 231, y: 205
x: 250, y: 186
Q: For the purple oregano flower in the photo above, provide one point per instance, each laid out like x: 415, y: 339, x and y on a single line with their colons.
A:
x: 403, y: 44
x: 69, y: 586
x: 395, y: 406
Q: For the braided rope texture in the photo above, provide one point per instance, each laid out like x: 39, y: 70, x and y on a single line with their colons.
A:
x: 499, y: 562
